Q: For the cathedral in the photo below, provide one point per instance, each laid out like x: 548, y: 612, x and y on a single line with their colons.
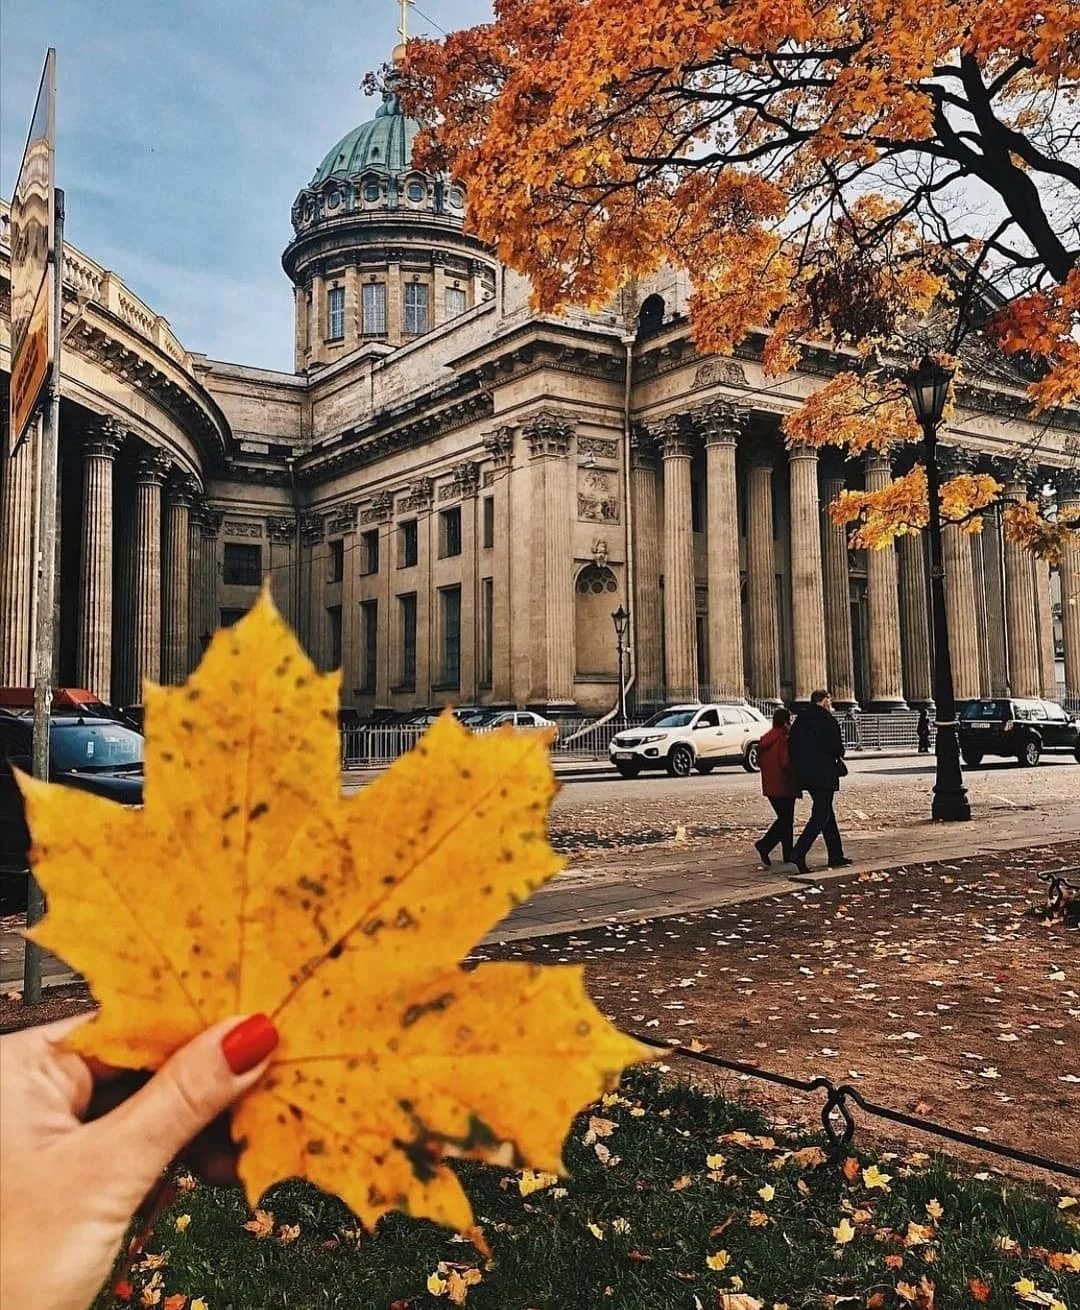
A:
x: 450, y: 494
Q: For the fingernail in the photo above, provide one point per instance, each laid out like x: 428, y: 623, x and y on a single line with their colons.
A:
x: 249, y: 1043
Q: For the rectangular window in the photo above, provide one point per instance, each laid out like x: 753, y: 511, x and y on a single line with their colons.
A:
x: 369, y: 649
x: 369, y: 551
x: 416, y: 308
x: 336, y: 570
x: 450, y: 622
x: 489, y: 522
x: 487, y: 625
x: 373, y: 309
x: 335, y: 314
x: 333, y: 624
x: 455, y: 301
x: 407, y: 620
x: 450, y: 532
x: 407, y: 544
x: 242, y: 564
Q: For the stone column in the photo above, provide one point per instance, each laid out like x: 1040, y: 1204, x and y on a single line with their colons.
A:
x: 883, y: 607
x: 721, y: 424
x: 150, y: 474
x: 548, y: 435
x: 807, y: 594
x: 761, y: 580
x: 94, y: 668
x: 915, y: 621
x: 195, y: 598
x: 16, y: 559
x: 994, y: 586
x: 837, y: 599
x: 648, y: 662
x: 1044, y: 623
x: 1024, y: 673
x: 212, y: 520
x: 1069, y: 503
x: 680, y: 616
x: 176, y: 619
x: 960, y: 611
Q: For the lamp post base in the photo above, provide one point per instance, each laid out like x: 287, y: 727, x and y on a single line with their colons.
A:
x: 951, y: 806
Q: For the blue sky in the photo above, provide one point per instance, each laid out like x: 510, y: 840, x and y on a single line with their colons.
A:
x: 185, y: 129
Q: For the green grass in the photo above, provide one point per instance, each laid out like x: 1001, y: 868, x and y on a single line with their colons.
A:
x: 544, y: 1254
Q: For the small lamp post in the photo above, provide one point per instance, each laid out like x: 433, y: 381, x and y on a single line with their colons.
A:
x: 621, y: 619
x: 928, y: 390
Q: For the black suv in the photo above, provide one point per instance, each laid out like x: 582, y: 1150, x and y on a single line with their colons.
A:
x: 1022, y: 729
x: 95, y: 754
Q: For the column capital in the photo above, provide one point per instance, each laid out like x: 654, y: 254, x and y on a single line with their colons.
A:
x: 210, y: 520
x: 954, y: 462
x: 342, y: 518
x: 153, y: 467
x: 311, y: 529
x: 673, y: 440
x: 802, y: 450
x: 280, y: 528
x: 1067, y: 483
x: 181, y: 489
x: 104, y: 439
x: 878, y: 461
x: 499, y: 443
x: 549, y: 432
x: 642, y: 448
x: 466, y: 478
x: 719, y: 422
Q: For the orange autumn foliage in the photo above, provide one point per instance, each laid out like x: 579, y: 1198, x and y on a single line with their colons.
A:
x: 801, y: 160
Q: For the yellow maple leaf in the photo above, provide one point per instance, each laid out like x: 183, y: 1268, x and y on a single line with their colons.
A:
x: 718, y: 1260
x: 873, y: 1177
x: 767, y: 1192
x: 715, y: 1161
x: 934, y: 1208
x: 757, y: 1219
x: 843, y: 1232
x: 199, y: 1304
x: 533, y: 1181
x: 182, y: 1222
x: 343, y: 919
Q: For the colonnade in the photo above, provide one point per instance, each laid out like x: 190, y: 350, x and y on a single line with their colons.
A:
x: 141, y: 536
x: 998, y: 596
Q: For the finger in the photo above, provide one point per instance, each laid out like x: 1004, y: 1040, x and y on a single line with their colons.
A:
x: 194, y: 1086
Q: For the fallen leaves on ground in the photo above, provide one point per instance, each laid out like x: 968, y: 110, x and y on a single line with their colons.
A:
x: 344, y: 919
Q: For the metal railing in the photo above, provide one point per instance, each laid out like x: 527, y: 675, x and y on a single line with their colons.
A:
x: 880, y: 732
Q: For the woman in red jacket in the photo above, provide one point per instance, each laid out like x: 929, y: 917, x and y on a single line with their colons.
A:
x: 779, y: 785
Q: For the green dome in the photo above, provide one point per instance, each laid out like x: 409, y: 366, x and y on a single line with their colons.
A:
x: 385, y: 143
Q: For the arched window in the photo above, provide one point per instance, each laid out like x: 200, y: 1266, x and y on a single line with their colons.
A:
x: 651, y: 314
x: 596, y: 596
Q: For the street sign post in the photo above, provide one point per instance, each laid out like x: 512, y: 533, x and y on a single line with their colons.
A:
x: 37, y: 262
x: 33, y: 242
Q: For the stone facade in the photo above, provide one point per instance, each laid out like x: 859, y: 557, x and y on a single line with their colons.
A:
x: 453, y: 515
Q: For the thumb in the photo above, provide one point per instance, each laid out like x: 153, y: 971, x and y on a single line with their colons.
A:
x: 193, y: 1087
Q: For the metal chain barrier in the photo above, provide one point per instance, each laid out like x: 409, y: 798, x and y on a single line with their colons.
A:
x: 838, y: 1120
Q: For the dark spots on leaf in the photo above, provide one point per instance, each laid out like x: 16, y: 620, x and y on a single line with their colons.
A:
x: 312, y: 885
x: 466, y: 773
x: 296, y: 1112
x: 226, y: 842
x: 582, y: 1028
x: 352, y: 1063
x: 389, y: 880
x: 326, y: 993
x: 196, y: 949
x: 335, y: 951
x: 193, y: 693
x: 317, y: 1147
x: 301, y: 681
x: 282, y: 1120
x: 257, y: 811
x: 167, y: 756
x: 305, y: 904
x: 373, y: 927
x: 417, y: 1011
x: 404, y: 919
x: 187, y: 725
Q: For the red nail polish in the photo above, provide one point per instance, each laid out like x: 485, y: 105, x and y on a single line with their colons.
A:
x: 249, y: 1043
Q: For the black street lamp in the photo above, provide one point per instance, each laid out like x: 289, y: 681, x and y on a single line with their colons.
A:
x: 928, y: 390
x: 621, y: 619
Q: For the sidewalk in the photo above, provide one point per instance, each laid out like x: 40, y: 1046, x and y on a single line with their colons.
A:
x: 674, y: 878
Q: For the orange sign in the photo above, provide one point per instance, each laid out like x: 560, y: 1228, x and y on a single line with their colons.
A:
x: 33, y: 212
x: 30, y: 367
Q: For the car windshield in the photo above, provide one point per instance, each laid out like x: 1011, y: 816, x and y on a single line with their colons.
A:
x: 479, y: 717
x: 94, y: 745
x: 671, y: 719
x: 987, y: 709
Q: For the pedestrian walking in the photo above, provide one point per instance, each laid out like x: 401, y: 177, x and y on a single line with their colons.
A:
x: 817, y: 755
x: 922, y: 731
x: 780, y: 787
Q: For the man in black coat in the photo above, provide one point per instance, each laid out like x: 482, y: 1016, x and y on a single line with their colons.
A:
x: 817, y: 755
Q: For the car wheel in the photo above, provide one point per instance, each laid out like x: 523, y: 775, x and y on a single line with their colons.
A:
x: 628, y: 770
x: 972, y: 759
x: 1029, y: 753
x: 680, y: 761
x: 750, y: 759
x: 705, y: 766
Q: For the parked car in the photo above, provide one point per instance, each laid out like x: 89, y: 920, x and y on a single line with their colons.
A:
x: 485, y: 719
x: 688, y: 737
x: 1021, y: 729
x: 94, y: 754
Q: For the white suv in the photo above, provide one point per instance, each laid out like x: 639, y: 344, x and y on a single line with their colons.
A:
x: 688, y: 737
